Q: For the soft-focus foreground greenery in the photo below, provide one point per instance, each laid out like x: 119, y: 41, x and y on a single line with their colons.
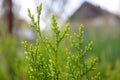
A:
x: 11, y: 61
x: 58, y: 55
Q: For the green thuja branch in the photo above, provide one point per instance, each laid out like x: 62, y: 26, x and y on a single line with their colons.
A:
x: 77, y: 66
x: 43, y: 56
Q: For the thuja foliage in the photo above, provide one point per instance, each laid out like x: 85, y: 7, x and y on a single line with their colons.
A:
x: 43, y: 56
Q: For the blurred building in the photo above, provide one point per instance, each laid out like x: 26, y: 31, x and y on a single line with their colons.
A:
x: 93, y: 16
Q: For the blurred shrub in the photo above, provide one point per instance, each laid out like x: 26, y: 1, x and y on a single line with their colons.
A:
x: 11, y: 64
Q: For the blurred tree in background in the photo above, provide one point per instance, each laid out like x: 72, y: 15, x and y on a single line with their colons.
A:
x: 8, y: 14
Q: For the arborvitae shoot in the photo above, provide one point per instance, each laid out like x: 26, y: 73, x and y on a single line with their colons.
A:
x: 42, y: 57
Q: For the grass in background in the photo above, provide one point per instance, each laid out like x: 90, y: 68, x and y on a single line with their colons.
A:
x: 107, y: 48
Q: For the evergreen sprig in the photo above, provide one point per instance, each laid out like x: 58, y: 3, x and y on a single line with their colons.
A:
x: 42, y: 58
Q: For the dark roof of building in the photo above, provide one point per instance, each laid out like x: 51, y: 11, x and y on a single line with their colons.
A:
x: 88, y: 10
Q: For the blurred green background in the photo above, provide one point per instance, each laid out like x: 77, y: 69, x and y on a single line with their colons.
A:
x: 101, y: 25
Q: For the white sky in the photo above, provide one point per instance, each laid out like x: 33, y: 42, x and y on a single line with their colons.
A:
x: 24, y: 5
x: 110, y: 5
